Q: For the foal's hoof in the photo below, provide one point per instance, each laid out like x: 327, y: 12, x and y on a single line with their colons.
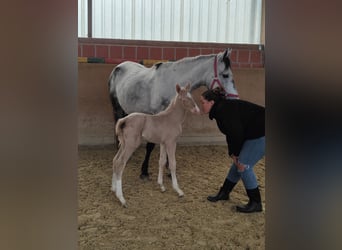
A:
x: 145, y: 177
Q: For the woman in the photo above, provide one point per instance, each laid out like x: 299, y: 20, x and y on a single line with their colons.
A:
x: 243, y: 123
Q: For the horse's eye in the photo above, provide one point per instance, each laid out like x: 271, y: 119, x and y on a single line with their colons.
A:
x: 225, y: 75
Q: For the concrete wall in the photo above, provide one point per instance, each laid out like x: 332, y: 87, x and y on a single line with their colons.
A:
x: 95, y: 116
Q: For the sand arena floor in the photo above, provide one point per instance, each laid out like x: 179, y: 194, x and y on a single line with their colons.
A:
x: 156, y: 220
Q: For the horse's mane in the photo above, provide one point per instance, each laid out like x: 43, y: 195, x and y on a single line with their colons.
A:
x: 195, y: 58
x: 185, y: 60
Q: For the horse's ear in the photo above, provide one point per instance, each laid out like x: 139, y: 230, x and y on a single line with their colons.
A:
x: 227, y: 52
x: 178, y: 88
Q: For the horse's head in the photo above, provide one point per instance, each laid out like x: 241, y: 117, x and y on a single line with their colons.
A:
x: 223, y: 75
x: 183, y: 95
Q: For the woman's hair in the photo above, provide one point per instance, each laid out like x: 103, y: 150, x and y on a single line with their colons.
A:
x: 215, y: 94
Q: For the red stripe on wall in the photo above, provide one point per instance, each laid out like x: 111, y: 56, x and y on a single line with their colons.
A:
x: 242, y: 56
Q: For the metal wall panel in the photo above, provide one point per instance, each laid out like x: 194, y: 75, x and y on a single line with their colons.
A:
x: 82, y: 18
x: 223, y: 21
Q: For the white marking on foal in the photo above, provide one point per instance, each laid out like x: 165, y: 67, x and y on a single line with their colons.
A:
x: 119, y: 193
x: 175, y: 185
x: 113, y: 188
x: 160, y: 178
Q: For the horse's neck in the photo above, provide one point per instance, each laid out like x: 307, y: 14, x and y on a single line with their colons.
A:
x: 175, y: 111
x: 198, y: 69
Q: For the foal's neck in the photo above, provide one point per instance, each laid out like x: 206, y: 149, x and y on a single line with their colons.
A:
x: 175, y: 111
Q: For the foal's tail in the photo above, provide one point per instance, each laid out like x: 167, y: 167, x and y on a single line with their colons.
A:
x: 119, y: 130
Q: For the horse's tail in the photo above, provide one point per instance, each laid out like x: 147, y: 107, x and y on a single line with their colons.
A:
x: 118, y: 112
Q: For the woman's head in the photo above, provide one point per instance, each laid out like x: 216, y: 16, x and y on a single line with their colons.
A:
x: 209, y: 97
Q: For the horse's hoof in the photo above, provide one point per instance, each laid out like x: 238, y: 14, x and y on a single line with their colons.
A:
x: 181, y: 194
x: 124, y: 205
x: 145, y: 177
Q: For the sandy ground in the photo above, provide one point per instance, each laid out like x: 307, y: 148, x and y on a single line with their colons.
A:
x: 156, y: 220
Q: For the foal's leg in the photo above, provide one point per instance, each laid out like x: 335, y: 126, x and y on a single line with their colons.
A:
x: 144, y: 167
x: 162, y: 162
x: 114, y: 178
x: 119, y: 164
x: 118, y: 191
x: 171, y: 151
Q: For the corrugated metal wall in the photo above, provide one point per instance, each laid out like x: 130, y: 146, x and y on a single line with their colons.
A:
x: 82, y: 18
x: 222, y: 21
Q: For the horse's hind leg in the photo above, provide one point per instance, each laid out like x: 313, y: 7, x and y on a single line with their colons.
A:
x: 162, y: 162
x: 144, y: 167
x: 171, y: 151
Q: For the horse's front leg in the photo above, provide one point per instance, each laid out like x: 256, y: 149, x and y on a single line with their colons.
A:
x: 171, y: 151
x: 162, y: 162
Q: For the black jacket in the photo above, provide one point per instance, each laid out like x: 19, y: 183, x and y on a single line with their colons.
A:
x: 240, y: 121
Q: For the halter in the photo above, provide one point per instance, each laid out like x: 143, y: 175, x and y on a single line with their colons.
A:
x: 217, y: 80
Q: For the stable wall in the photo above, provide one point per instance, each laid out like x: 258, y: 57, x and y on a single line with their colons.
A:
x: 95, y: 115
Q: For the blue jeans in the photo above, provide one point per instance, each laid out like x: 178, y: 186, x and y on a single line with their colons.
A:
x: 252, y: 151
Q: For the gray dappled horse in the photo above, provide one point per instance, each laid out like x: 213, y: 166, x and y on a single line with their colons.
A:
x: 163, y: 128
x: 136, y: 88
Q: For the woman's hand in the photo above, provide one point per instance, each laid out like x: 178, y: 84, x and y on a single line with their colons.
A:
x: 235, y: 159
x: 240, y: 166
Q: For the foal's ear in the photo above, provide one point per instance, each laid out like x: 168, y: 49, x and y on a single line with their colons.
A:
x: 178, y: 88
x: 187, y: 87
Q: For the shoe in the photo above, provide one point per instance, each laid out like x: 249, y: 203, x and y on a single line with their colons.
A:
x: 251, y: 207
x: 254, y: 204
x: 223, y: 194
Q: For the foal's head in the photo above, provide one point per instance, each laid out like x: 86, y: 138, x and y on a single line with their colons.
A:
x: 183, y: 95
